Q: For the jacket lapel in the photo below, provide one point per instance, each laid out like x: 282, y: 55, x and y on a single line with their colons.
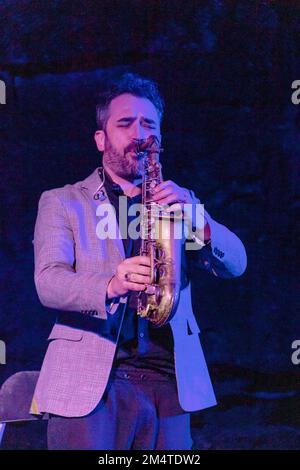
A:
x: 92, y: 186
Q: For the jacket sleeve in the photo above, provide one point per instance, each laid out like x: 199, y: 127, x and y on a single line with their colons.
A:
x: 58, y: 284
x: 225, y: 256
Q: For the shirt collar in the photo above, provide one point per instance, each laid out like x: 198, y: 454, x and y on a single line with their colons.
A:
x: 116, y: 189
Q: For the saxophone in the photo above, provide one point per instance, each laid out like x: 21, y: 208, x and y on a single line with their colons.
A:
x: 158, y: 302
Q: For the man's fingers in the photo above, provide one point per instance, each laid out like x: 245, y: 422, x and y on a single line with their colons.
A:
x: 144, y: 270
x: 136, y: 268
x: 161, y: 194
x: 168, y: 200
x: 135, y: 286
x: 163, y: 185
x: 139, y: 260
x: 138, y: 278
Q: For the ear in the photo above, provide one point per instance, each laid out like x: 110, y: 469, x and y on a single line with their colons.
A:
x: 100, y: 140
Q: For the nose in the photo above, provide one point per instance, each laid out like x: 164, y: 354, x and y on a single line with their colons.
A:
x: 137, y: 131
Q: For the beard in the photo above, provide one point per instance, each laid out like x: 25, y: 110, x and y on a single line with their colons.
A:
x: 126, y: 164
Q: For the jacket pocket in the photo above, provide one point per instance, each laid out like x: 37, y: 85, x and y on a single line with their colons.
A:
x: 65, y: 332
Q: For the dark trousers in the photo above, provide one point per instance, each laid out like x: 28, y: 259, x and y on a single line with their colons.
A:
x: 139, y: 410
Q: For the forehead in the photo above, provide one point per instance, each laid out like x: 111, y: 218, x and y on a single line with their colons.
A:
x: 127, y: 105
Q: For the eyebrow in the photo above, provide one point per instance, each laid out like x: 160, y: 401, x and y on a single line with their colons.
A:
x: 131, y: 119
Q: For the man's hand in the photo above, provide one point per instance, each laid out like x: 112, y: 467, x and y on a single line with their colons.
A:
x: 168, y: 192
x: 133, y: 274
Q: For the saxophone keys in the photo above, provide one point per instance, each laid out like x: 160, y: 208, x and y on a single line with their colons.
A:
x: 152, y: 186
x: 150, y: 289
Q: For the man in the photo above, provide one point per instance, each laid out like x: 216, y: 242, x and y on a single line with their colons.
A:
x: 110, y: 380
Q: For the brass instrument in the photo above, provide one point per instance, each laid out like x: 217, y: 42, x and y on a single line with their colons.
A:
x: 159, y: 301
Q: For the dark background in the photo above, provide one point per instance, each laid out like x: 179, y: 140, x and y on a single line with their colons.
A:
x: 231, y: 133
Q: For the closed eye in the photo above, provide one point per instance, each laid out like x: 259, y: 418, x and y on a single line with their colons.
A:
x: 145, y: 125
x: 125, y: 122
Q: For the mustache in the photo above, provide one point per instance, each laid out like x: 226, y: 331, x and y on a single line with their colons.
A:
x: 152, y: 143
x: 133, y: 146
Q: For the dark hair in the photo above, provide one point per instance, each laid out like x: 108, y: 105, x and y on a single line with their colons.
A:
x: 127, y: 83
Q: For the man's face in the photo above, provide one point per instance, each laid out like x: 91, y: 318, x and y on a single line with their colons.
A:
x: 130, y: 117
